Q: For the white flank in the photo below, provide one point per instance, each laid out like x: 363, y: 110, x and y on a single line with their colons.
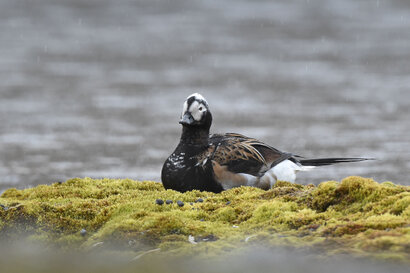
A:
x: 286, y: 170
x: 270, y: 177
x: 251, y: 180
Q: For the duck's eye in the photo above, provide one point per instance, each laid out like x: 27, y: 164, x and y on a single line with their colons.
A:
x: 201, y: 108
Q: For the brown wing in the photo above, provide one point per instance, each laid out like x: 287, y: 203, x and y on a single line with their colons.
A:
x: 241, y: 154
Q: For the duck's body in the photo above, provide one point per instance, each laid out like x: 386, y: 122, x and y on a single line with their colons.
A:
x: 222, y: 161
x: 185, y: 170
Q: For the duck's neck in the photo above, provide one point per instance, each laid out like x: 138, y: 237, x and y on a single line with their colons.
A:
x: 197, y: 136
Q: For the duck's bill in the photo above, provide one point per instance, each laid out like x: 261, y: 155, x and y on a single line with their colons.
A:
x: 187, y: 119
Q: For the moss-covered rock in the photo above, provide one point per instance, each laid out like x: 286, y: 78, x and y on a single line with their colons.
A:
x: 357, y: 216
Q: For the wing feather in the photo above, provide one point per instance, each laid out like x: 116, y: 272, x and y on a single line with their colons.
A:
x: 242, y: 154
x: 233, y: 149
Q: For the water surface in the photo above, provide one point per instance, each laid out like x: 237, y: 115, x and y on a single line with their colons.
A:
x: 95, y: 88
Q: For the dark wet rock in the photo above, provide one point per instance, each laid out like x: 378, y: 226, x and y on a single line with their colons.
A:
x: 228, y: 203
x: 180, y: 203
x: 159, y: 202
x: 199, y: 200
x: 168, y: 202
x: 83, y: 232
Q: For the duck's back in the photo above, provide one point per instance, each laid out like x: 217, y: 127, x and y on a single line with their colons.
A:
x: 242, y: 154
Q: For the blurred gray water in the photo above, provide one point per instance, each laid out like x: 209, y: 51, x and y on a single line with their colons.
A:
x: 95, y: 88
x: 26, y: 258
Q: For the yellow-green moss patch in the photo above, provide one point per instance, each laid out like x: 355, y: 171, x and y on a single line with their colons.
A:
x: 357, y: 216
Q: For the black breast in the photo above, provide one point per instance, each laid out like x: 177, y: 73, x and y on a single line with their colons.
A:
x: 181, y: 172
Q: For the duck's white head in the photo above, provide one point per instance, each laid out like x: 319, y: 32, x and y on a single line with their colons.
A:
x: 195, y: 111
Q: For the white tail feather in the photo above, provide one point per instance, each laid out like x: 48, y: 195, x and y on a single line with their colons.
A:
x: 307, y: 168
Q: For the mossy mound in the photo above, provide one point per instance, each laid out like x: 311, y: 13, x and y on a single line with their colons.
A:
x: 356, y: 216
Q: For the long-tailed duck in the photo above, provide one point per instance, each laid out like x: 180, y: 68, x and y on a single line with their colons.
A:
x: 222, y: 161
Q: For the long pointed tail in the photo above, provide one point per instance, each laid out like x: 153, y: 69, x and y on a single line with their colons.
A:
x: 331, y: 160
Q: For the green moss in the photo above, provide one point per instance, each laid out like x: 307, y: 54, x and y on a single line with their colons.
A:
x: 357, y: 216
